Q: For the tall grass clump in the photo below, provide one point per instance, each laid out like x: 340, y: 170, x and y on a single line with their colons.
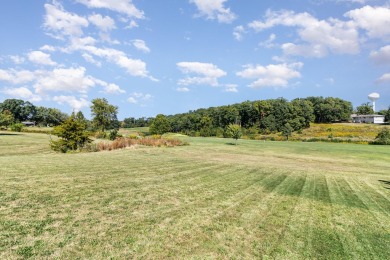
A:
x: 123, y: 142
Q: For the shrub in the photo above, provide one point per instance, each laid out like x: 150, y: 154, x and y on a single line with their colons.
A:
x: 100, y: 135
x: 383, y: 137
x: 17, y: 127
x: 72, y: 136
x: 113, y: 134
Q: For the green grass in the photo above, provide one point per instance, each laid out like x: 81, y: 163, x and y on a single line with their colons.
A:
x: 283, y: 200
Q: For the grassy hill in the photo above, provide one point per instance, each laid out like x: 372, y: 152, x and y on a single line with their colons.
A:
x: 211, y: 199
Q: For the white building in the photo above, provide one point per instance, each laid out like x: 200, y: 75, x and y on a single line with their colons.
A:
x: 373, y: 119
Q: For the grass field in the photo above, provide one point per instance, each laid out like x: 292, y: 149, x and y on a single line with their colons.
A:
x: 211, y: 199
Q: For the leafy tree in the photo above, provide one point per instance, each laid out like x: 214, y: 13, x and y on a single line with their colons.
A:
x: 20, y: 109
x: 287, y: 130
x: 103, y: 113
x: 72, y: 135
x: 386, y: 113
x: 6, y: 118
x: 364, y: 109
x: 234, y: 131
x: 49, y: 116
x: 160, y: 125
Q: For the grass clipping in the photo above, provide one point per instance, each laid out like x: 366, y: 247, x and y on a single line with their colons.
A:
x: 123, y: 142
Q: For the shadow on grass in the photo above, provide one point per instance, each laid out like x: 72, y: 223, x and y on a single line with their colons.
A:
x: 386, y: 183
x: 8, y: 134
x: 231, y: 143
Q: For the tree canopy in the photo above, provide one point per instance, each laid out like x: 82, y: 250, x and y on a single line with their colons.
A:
x: 103, y: 113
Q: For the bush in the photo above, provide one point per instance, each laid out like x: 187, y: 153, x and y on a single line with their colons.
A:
x: 113, y: 134
x: 17, y: 127
x: 383, y: 137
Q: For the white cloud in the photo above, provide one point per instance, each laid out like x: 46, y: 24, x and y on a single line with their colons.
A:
x: 375, y: 20
x: 90, y: 59
x: 17, y: 59
x: 319, y: 36
x: 39, y: 57
x: 16, y: 77
x: 109, y: 88
x: 141, y: 45
x: 103, y: 23
x: 272, y: 75
x: 183, y: 89
x: 121, y: 6
x: 63, y: 23
x: 382, y: 56
x: 238, y: 32
x: 73, y: 102
x: 207, y: 73
x: 137, y: 97
x: 385, y: 78
x: 47, y: 48
x: 132, y: 24
x: 269, y: 43
x: 231, y: 88
x: 63, y: 80
x: 22, y: 93
x: 214, y: 9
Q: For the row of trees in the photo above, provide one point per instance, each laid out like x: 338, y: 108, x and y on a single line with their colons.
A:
x: 265, y: 116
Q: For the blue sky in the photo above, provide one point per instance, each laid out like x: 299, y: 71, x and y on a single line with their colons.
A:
x: 149, y: 57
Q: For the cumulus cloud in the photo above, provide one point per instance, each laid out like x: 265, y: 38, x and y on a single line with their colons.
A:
x: 63, y: 80
x: 319, y: 36
x: 140, y: 45
x: 238, y: 32
x: 385, y: 78
x: 231, y: 88
x: 42, y: 58
x: 16, y: 76
x: 72, y: 101
x: 17, y: 59
x: 63, y: 23
x: 109, y: 88
x: 103, y: 23
x: 273, y: 75
x: 206, y: 73
x: 382, y: 56
x: 22, y: 93
x: 375, y: 20
x: 125, y: 7
x: 136, y: 98
x: 183, y: 89
x: 214, y: 10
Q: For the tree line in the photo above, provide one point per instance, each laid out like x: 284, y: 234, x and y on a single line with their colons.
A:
x: 261, y: 116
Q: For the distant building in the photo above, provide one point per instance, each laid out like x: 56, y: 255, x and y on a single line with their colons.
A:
x: 373, y: 119
x: 28, y: 123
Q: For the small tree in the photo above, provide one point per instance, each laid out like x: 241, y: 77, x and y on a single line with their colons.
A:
x: 6, y: 118
x: 160, y: 125
x: 72, y: 136
x: 287, y: 130
x: 103, y: 113
x: 234, y: 131
x: 364, y: 109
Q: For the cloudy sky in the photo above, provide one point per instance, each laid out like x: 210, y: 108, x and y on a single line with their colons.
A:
x: 149, y: 57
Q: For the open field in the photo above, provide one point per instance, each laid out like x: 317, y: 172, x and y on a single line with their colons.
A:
x: 283, y: 200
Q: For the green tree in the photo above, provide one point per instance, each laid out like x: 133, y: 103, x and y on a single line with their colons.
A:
x: 6, y: 118
x: 364, y: 109
x: 72, y: 135
x: 234, y: 131
x: 49, y: 116
x: 21, y: 110
x: 103, y: 113
x: 287, y: 130
x: 160, y: 125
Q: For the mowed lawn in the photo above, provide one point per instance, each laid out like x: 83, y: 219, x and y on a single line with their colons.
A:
x: 211, y: 199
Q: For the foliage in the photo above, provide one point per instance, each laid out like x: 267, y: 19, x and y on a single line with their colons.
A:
x: 132, y: 122
x: 123, y: 142
x: 383, y: 137
x: 21, y: 110
x: 234, y: 131
x: 287, y: 130
x: 6, y: 118
x: 364, y: 109
x: 113, y: 134
x: 72, y: 136
x: 49, y: 116
x: 17, y: 127
x: 103, y: 113
x: 160, y: 125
